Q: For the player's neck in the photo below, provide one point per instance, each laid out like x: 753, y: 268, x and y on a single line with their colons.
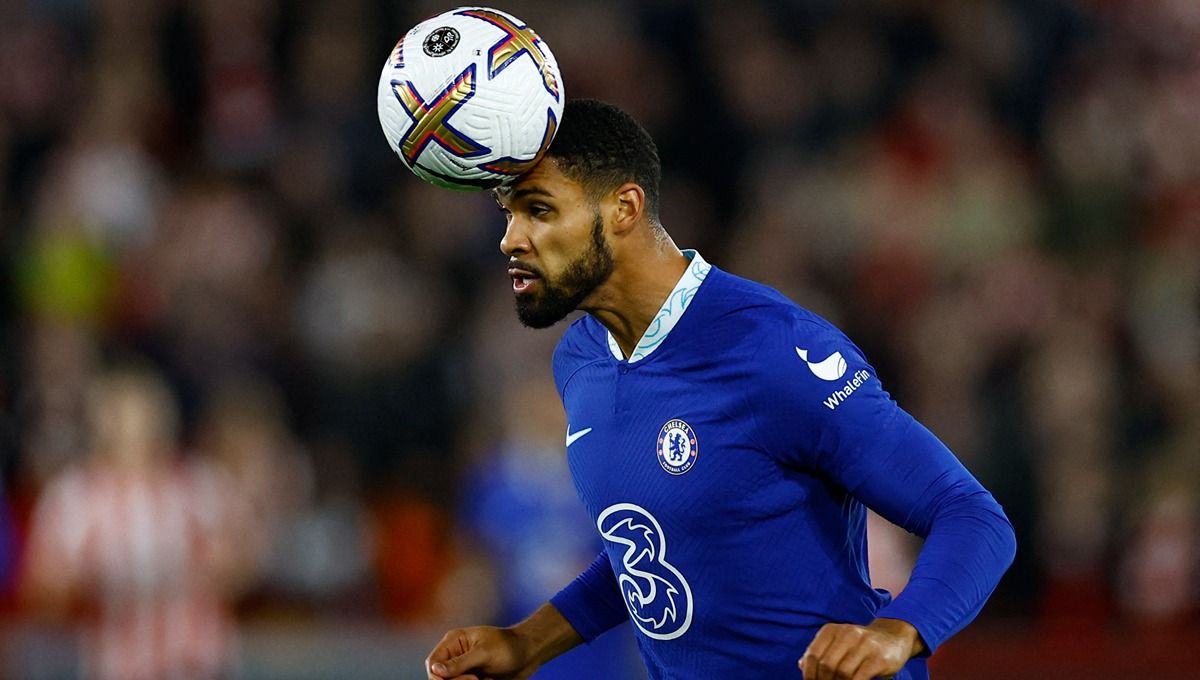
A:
x: 637, y: 289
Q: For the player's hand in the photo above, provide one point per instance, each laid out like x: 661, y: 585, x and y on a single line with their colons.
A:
x: 478, y: 653
x: 843, y: 651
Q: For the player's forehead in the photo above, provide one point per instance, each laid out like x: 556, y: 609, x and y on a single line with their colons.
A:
x: 544, y: 180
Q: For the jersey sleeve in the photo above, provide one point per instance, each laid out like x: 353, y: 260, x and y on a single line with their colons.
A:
x: 826, y: 412
x: 592, y: 603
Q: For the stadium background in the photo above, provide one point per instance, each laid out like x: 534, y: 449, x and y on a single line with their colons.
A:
x: 999, y: 200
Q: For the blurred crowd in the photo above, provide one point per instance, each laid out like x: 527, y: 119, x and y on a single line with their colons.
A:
x: 251, y: 369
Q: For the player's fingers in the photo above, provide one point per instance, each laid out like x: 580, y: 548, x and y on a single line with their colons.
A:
x: 472, y: 659
x: 820, y: 643
x: 845, y: 654
x: 454, y: 643
x: 808, y: 660
x: 813, y: 664
x: 824, y: 637
x: 872, y: 668
x: 444, y: 650
x: 856, y: 663
x: 811, y: 656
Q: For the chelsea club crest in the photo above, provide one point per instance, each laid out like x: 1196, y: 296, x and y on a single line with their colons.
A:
x: 677, y: 448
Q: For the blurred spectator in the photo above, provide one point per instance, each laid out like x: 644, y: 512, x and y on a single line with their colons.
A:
x: 368, y: 320
x: 518, y: 503
x: 243, y: 431
x: 138, y: 543
x: 1072, y: 401
x: 60, y: 361
x: 240, y: 113
x: 207, y: 297
x: 323, y: 553
x: 1158, y: 573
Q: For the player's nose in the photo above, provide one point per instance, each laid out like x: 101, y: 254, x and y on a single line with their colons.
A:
x: 515, y: 240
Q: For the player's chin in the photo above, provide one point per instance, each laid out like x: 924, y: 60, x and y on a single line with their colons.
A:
x: 534, y: 313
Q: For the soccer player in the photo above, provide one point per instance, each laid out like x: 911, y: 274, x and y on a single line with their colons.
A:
x: 143, y: 545
x: 725, y: 442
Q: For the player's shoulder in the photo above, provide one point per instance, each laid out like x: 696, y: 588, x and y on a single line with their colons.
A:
x: 786, y: 349
x: 770, y: 314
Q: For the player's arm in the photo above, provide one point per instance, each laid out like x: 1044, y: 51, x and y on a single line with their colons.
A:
x: 917, y: 483
x: 849, y: 430
x: 588, y: 606
x: 909, y: 477
x: 513, y: 653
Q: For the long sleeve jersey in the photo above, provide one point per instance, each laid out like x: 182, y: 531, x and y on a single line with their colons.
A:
x: 726, y: 464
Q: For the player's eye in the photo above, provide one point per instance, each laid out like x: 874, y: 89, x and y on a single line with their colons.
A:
x: 538, y: 210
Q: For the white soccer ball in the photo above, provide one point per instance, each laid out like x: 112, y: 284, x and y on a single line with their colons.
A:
x: 470, y: 98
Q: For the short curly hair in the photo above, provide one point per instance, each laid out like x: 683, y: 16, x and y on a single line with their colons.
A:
x: 602, y: 147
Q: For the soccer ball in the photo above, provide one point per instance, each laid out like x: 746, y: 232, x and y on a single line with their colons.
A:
x: 470, y: 98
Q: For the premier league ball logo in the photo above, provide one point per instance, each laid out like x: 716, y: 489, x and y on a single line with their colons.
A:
x: 441, y: 42
x: 677, y: 447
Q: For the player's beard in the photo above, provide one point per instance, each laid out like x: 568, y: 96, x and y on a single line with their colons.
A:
x: 562, y: 296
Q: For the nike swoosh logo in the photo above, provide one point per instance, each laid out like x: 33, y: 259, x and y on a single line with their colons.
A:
x: 572, y: 437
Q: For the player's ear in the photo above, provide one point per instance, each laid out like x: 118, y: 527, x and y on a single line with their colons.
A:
x: 629, y: 207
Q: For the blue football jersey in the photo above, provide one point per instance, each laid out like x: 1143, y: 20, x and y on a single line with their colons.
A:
x: 726, y: 465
